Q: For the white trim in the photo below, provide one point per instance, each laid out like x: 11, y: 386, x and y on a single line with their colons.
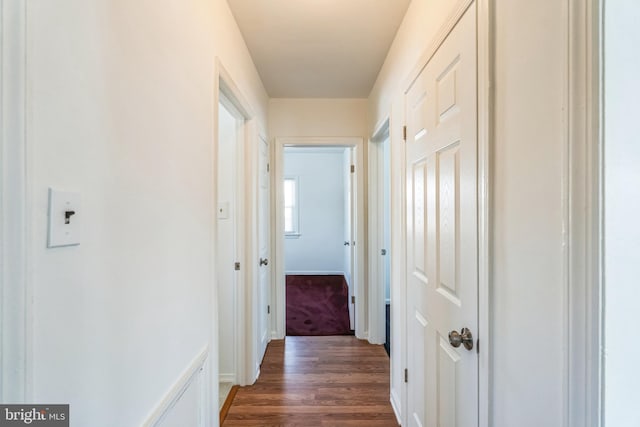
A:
x: 583, y: 214
x: 227, y: 378
x: 381, y: 131
x: 184, y: 381
x: 15, y: 326
x: 485, y: 63
x: 278, y: 295
x: 398, y: 357
x: 246, y: 323
x: 295, y: 233
x: 314, y: 150
x: 315, y: 273
x: 375, y: 204
x: 396, y: 405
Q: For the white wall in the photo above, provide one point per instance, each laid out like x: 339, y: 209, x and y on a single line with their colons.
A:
x: 528, y: 266
x: 120, y: 108
x: 321, y: 181
x: 527, y: 289
x: 621, y: 212
x: 317, y: 117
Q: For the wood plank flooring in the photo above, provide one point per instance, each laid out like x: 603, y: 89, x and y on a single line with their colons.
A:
x: 317, y: 381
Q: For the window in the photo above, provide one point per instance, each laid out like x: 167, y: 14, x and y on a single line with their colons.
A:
x: 291, y: 221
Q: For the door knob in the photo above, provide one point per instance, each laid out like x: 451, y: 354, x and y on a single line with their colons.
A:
x: 464, y: 337
x: 264, y: 261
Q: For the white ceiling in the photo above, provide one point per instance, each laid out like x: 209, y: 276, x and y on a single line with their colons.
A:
x: 318, y: 48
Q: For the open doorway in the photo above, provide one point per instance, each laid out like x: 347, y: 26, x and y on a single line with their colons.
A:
x: 379, y: 203
x: 318, y: 241
x: 318, y: 209
x: 228, y: 244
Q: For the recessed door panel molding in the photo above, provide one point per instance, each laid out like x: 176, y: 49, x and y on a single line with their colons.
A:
x: 447, y: 91
x: 448, y: 218
x: 419, y: 217
x: 448, y: 360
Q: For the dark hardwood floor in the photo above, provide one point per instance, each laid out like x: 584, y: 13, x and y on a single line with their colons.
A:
x: 317, y: 381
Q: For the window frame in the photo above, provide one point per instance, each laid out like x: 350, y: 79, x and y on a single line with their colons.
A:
x: 295, y: 233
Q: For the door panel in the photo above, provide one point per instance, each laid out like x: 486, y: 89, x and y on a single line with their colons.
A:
x: 442, y: 268
x: 264, y: 241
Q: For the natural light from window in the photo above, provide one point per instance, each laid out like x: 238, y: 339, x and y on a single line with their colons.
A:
x: 291, y: 206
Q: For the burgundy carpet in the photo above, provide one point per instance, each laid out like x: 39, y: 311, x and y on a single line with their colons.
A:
x: 317, y: 305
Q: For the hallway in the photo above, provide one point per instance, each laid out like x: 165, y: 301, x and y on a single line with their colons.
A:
x: 143, y: 236
x: 317, y: 381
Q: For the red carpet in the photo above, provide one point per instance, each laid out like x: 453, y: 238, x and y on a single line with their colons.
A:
x: 317, y: 305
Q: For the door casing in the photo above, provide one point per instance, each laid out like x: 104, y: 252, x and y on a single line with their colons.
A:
x: 16, y: 328
x: 278, y: 294
x: 376, y: 218
x: 248, y: 366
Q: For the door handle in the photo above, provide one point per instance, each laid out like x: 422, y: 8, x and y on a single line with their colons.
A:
x: 346, y: 243
x: 464, y: 337
x: 264, y: 261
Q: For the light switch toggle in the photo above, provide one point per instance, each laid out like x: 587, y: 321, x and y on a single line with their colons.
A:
x: 64, y: 230
x: 67, y: 216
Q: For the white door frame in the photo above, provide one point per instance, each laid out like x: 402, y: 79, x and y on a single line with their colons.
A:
x: 377, y: 326
x: 278, y: 294
x: 246, y: 239
x: 582, y: 186
x: 485, y: 63
x: 267, y: 336
x: 15, y: 284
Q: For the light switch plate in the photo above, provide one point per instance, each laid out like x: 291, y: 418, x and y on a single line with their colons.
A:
x: 223, y: 210
x: 64, y: 218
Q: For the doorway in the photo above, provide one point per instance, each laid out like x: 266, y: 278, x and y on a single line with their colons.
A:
x: 318, y: 241
x: 343, y: 246
x: 228, y: 244
x: 380, y: 237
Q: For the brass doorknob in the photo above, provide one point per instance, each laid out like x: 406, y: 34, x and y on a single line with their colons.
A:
x: 464, y: 337
x: 264, y: 261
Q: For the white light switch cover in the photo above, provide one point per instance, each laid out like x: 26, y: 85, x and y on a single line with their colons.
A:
x: 223, y: 210
x: 60, y: 233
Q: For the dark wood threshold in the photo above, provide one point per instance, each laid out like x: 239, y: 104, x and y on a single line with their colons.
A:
x: 227, y: 403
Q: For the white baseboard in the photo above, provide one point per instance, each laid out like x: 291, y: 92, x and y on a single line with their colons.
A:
x: 185, y: 380
x: 275, y: 336
x: 364, y: 336
x: 228, y: 378
x: 315, y: 273
x: 257, y: 373
x: 395, y: 404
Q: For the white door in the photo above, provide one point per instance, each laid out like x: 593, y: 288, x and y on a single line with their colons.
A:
x: 349, y: 238
x: 264, y: 242
x: 227, y: 243
x: 442, y: 266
